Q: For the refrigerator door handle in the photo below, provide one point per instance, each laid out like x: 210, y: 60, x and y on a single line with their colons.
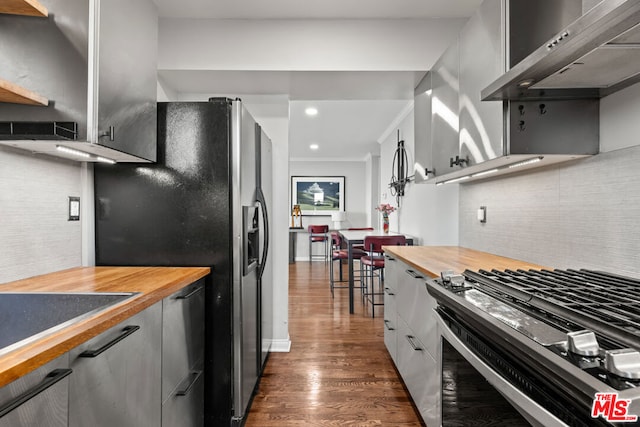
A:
x: 265, y: 217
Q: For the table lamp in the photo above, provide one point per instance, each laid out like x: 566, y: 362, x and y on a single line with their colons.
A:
x: 338, y: 218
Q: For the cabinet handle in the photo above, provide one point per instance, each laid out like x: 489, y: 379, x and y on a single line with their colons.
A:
x: 388, y: 325
x: 52, y: 378
x: 194, y: 378
x: 190, y: 294
x: 128, y: 330
x: 388, y: 291
x: 390, y: 258
x: 111, y: 133
x: 413, y: 344
x: 414, y: 274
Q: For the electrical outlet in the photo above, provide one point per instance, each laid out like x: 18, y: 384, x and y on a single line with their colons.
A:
x: 74, y: 208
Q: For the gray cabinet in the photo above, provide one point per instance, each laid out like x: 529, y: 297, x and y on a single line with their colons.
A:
x: 116, y: 377
x: 125, y: 96
x: 411, y: 336
x: 420, y: 374
x: 444, y: 109
x: 423, y: 143
x: 481, y: 133
x: 183, y: 357
x: 391, y: 266
x: 473, y: 139
x: 416, y: 307
x: 95, y: 63
x: 38, y: 399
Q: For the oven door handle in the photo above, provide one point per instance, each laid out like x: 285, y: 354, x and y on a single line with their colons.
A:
x: 534, y: 413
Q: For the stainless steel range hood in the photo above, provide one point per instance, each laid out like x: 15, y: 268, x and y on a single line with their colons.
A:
x: 594, y: 56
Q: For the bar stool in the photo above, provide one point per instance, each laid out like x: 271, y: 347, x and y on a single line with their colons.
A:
x: 374, y: 263
x: 360, y: 229
x: 318, y: 234
x: 339, y: 254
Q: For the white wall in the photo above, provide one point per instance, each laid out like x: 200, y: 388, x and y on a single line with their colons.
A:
x: 35, y: 234
x: 426, y: 211
x: 355, y: 184
x: 304, y: 45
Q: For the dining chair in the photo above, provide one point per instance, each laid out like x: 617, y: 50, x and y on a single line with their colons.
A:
x: 319, y: 234
x: 342, y: 254
x: 360, y: 229
x: 372, y: 265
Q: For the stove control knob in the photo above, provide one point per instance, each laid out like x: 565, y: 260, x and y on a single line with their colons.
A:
x: 446, y: 275
x: 457, y: 281
x: 583, y: 343
x: 624, y: 362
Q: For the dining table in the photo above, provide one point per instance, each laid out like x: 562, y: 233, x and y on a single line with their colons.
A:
x: 351, y: 238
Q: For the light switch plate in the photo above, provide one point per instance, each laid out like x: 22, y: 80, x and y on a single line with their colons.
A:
x: 482, y: 214
x: 74, y: 208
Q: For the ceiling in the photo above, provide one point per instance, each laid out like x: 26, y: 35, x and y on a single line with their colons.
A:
x: 355, y: 109
x: 325, y: 9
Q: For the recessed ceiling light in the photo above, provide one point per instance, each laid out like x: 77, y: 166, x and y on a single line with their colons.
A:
x: 314, y: 146
x: 311, y: 111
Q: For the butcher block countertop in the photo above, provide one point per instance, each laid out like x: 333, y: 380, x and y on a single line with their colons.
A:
x: 152, y: 283
x: 432, y: 260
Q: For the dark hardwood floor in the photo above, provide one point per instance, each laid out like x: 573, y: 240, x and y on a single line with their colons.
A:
x: 338, y: 372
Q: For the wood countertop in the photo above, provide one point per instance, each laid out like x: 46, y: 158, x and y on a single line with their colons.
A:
x: 152, y: 283
x: 431, y: 260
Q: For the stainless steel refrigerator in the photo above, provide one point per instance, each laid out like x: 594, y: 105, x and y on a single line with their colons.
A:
x: 202, y: 204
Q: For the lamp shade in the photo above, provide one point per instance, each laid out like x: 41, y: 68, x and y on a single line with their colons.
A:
x: 338, y: 216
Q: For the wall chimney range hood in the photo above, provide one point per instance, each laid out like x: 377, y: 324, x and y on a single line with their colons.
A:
x: 596, y: 55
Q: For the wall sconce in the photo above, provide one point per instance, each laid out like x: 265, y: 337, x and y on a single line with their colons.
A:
x: 400, y: 177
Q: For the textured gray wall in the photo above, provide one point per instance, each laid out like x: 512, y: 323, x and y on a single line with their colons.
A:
x: 582, y: 214
x: 35, y: 236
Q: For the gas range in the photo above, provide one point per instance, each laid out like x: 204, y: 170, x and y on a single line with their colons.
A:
x: 572, y: 333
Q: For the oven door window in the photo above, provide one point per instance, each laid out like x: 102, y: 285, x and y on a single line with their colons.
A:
x: 467, y: 397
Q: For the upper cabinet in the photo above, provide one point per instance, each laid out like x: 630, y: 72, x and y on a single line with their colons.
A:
x: 481, y: 130
x: 423, y: 166
x: 127, y: 57
x: 445, y: 89
x: 472, y: 139
x: 88, y: 66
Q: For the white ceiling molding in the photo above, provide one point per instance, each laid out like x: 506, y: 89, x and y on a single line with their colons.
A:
x: 396, y: 122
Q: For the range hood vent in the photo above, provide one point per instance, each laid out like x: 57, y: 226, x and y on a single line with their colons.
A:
x: 596, y: 55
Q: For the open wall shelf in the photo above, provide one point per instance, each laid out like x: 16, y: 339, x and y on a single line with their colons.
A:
x: 23, y: 7
x: 15, y: 94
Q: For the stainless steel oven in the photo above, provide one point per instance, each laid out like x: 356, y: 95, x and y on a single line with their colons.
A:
x: 474, y: 387
x: 538, y: 348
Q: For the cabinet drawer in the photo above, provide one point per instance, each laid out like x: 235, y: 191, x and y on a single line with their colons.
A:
x: 390, y: 323
x: 391, y: 269
x: 182, y: 335
x: 184, y: 407
x: 48, y: 408
x: 116, y: 375
x: 416, y: 307
x: 419, y: 372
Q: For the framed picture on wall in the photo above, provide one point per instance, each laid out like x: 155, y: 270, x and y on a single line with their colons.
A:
x: 318, y: 195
